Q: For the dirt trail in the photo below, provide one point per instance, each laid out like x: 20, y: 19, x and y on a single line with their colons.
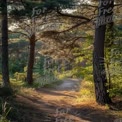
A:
x: 69, y: 85
x: 58, y: 105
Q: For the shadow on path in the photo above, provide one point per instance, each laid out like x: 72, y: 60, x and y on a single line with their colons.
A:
x: 54, y: 105
x: 36, y: 110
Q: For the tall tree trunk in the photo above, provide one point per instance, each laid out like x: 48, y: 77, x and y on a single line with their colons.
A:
x: 99, y: 73
x: 31, y: 60
x: 100, y: 79
x: 5, y: 69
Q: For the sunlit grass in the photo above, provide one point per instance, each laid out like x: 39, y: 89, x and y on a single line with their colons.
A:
x: 28, y: 91
x: 22, y: 87
x: 86, y: 93
x: 16, y: 84
x: 65, y: 74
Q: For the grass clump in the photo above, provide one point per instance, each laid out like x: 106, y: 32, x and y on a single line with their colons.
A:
x: 4, y: 111
x: 86, y: 92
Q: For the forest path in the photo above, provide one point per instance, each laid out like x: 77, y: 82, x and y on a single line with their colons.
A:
x: 58, y: 104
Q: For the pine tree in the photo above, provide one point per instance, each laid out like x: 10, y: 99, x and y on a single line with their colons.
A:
x: 4, y: 30
x: 100, y: 78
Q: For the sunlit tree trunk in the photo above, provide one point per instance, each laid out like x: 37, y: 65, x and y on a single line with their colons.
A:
x: 100, y: 78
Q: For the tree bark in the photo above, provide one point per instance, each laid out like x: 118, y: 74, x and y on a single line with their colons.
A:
x: 5, y: 69
x: 31, y: 60
x: 99, y: 73
x: 100, y: 79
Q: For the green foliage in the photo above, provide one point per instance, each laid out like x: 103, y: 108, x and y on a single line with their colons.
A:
x: 83, y: 72
x: 26, y: 12
x: 66, y: 74
x: 39, y: 80
x: 113, y: 60
x: 20, y: 76
x: 13, y: 36
x: 63, y: 4
x: 82, y: 66
x: 46, y: 80
x: 16, y: 66
x: 116, y: 80
x: 43, y: 81
x: 18, y: 56
x: 16, y: 85
x: 45, y: 7
x: 39, y: 67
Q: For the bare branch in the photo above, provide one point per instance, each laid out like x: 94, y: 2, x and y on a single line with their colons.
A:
x: 117, y: 4
x: 72, y: 16
x: 88, y: 5
x: 75, y: 26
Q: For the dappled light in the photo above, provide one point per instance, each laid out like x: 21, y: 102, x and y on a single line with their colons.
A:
x: 60, y: 61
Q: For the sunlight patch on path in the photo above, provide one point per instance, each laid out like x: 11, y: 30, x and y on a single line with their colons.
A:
x: 69, y: 85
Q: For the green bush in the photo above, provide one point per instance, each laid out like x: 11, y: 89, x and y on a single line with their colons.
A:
x: 45, y: 81
x: 20, y: 76
x: 16, y: 66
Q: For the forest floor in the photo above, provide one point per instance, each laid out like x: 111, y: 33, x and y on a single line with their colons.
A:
x: 60, y: 104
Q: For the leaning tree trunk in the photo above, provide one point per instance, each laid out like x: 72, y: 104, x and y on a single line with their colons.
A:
x: 5, y: 69
x: 100, y: 78
x: 31, y: 60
